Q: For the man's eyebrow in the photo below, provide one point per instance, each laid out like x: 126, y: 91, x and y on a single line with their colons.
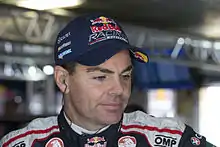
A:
x: 104, y: 70
x: 129, y: 68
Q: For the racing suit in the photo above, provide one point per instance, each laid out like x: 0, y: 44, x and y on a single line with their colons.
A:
x: 136, y: 129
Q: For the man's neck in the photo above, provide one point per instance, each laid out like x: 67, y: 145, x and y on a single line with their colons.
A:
x: 76, y: 119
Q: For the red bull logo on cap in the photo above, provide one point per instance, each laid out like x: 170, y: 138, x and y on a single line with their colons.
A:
x: 141, y: 56
x: 102, y: 19
x: 103, y: 24
x: 103, y: 28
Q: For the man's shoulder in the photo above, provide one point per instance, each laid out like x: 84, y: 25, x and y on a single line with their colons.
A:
x: 140, y: 118
x: 38, y: 128
x: 161, y: 130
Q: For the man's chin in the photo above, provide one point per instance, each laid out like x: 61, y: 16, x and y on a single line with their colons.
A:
x: 110, y: 116
x: 109, y: 120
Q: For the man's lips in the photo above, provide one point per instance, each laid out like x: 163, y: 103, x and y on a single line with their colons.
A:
x: 112, y: 105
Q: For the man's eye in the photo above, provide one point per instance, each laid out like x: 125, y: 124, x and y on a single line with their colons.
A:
x: 126, y: 77
x: 100, y: 78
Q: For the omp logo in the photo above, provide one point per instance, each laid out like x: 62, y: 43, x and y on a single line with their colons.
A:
x: 20, y: 144
x: 164, y: 141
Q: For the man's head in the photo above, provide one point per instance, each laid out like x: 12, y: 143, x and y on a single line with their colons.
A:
x: 93, y: 69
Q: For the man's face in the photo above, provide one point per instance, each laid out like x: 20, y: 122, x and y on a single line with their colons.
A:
x: 100, y: 93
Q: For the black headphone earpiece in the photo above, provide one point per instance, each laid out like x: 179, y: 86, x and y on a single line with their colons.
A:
x: 64, y: 82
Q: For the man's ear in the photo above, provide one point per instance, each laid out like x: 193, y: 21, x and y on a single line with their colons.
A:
x: 61, y: 77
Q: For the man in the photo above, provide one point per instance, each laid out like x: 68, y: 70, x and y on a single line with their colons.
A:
x: 93, y: 70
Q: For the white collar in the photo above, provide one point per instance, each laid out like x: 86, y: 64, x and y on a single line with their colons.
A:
x: 81, y: 130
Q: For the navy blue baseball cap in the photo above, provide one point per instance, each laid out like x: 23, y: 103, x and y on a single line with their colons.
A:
x: 91, y: 40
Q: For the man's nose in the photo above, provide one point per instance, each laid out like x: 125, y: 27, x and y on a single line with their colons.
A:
x: 117, y: 87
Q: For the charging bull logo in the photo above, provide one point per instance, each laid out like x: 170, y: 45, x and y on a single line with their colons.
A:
x: 141, y: 56
x: 96, y: 142
x: 102, y: 19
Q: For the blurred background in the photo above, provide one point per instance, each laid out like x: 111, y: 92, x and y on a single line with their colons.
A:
x: 181, y: 37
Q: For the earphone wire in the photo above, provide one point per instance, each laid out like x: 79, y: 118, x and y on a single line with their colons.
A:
x: 64, y: 94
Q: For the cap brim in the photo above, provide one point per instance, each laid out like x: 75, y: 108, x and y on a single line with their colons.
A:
x: 102, y: 52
